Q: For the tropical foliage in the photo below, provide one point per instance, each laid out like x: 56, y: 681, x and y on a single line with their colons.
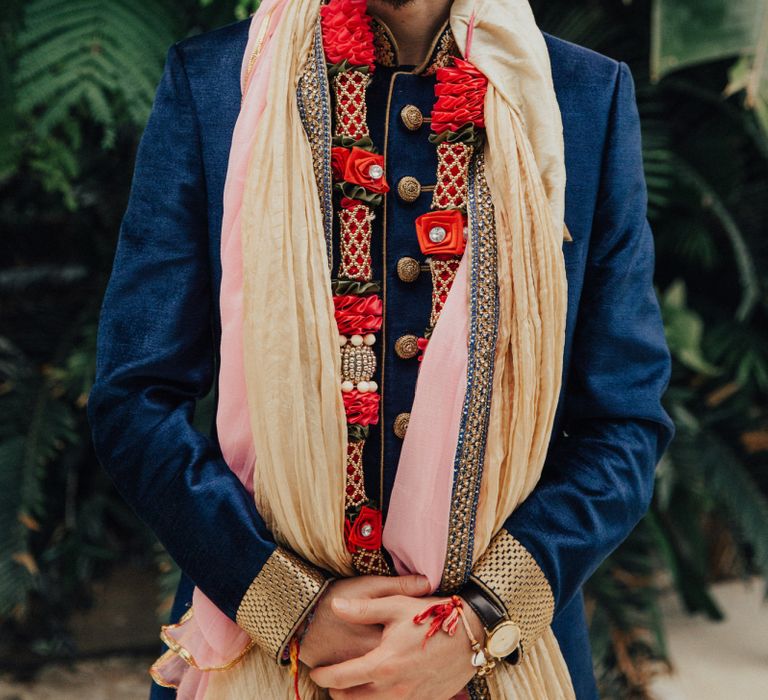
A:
x: 77, y: 80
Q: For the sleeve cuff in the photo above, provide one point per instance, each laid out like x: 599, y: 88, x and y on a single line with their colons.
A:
x: 509, y: 574
x: 278, y: 600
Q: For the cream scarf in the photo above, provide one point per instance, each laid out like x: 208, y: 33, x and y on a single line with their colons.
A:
x: 290, y: 347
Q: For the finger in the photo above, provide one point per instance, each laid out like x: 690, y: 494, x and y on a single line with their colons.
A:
x: 347, y: 674
x: 365, y: 611
x: 412, y: 585
x: 361, y: 692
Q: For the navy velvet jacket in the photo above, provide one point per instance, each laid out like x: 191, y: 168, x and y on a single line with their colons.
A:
x: 159, y: 331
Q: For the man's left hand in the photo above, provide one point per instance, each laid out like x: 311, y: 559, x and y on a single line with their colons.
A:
x: 402, y: 666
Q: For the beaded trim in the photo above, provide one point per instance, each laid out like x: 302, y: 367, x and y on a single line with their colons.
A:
x: 314, y: 102
x: 484, y: 323
x: 278, y: 600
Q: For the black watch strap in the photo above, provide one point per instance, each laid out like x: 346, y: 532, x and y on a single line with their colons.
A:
x: 487, y: 610
x: 491, y: 614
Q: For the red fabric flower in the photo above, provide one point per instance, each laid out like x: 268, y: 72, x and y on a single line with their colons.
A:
x: 365, y: 532
x: 348, y: 203
x: 452, y: 222
x: 339, y: 157
x: 361, y: 408
x: 358, y: 315
x: 460, y: 94
x: 347, y: 33
x: 358, y: 170
x: 422, y: 343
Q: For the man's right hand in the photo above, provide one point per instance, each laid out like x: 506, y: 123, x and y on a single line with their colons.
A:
x: 329, y: 640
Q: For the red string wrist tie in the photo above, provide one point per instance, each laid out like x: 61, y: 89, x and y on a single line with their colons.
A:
x: 446, y: 614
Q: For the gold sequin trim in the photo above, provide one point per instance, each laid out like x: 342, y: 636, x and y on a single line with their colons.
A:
x: 278, y: 599
x: 484, y: 312
x: 314, y: 102
x: 509, y: 572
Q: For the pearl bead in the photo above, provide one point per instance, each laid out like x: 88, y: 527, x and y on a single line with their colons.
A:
x: 356, y: 340
x: 342, y: 341
x: 373, y: 387
x: 369, y: 339
x: 363, y: 387
x: 376, y: 172
x: 437, y: 234
x: 347, y: 386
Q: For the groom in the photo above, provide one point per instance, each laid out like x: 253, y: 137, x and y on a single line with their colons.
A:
x: 159, y: 341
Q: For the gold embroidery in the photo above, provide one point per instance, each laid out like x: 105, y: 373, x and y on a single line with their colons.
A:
x: 484, y: 312
x: 509, y: 573
x: 407, y: 347
x: 314, y: 102
x: 411, y: 117
x: 386, y: 53
x: 383, y: 44
x: 278, y: 599
x: 445, y: 50
x: 409, y: 188
x: 400, y: 426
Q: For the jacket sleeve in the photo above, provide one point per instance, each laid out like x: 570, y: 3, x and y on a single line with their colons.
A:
x: 598, y: 477
x: 155, y: 358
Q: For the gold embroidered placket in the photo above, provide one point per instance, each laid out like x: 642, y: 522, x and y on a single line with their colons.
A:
x: 509, y: 572
x: 278, y: 599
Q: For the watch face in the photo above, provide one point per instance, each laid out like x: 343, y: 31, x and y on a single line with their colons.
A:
x: 503, y: 640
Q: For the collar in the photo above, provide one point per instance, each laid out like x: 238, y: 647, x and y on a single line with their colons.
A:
x: 441, y: 50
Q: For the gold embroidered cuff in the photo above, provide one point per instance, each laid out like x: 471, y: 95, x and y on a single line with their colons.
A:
x: 278, y: 600
x: 508, y: 573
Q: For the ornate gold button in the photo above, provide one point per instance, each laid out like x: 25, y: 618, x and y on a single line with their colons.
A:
x: 407, y: 347
x: 408, y: 269
x: 401, y: 424
x: 412, y: 117
x: 409, y: 188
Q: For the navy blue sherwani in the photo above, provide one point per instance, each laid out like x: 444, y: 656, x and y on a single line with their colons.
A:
x: 159, y: 334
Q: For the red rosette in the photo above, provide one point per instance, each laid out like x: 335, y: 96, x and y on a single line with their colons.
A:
x: 357, y: 170
x: 347, y: 33
x: 358, y: 315
x: 460, y: 92
x: 361, y: 408
x: 365, y: 532
x: 452, y: 221
x: 339, y: 157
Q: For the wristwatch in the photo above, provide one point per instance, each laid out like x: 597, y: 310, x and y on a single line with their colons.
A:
x: 502, y: 636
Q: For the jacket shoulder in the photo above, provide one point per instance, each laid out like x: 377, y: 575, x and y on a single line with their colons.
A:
x: 215, y: 49
x: 574, y: 65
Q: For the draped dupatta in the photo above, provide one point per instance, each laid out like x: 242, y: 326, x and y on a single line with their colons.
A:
x: 490, y: 379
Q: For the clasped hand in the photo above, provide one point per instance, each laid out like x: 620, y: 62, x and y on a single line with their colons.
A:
x: 363, y: 643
